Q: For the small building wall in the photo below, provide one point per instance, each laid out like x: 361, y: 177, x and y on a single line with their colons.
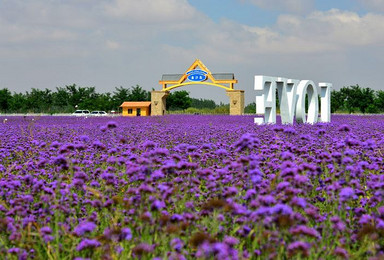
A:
x: 236, y: 102
x: 158, y: 102
x: 144, y: 111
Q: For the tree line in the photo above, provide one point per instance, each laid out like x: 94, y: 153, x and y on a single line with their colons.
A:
x: 67, y: 99
x: 71, y: 97
x: 355, y: 99
x: 351, y: 99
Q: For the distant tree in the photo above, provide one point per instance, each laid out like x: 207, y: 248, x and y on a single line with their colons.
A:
x: 103, y: 102
x: 250, y: 108
x: 221, y: 109
x: 61, y: 101
x: 119, y: 96
x: 379, y: 100
x: 178, y: 100
x: 5, y: 100
x: 18, y: 103
x: 367, y: 100
x: 61, y: 97
x: 337, y: 100
x: 139, y: 94
x: 39, y: 100
x: 351, y: 96
x: 203, y: 103
x: 81, y: 97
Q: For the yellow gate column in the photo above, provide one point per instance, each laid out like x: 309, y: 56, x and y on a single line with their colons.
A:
x: 236, y: 102
x: 158, y: 102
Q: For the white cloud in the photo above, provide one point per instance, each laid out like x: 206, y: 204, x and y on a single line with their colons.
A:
x: 150, y: 11
x: 374, y: 5
x: 318, y: 32
x: 334, y: 29
x: 287, y: 6
x: 112, y: 45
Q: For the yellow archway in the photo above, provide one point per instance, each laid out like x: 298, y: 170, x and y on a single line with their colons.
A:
x: 198, y: 74
x: 221, y: 80
x: 195, y: 83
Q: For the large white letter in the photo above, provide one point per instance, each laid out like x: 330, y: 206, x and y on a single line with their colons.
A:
x: 325, y: 96
x: 265, y: 99
x: 287, y: 98
x: 307, y: 86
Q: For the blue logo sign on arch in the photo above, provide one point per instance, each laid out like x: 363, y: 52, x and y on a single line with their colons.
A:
x: 197, y: 75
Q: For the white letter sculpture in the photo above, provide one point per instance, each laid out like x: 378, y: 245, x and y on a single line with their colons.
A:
x: 291, y: 93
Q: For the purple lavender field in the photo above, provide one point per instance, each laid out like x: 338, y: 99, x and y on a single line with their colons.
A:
x: 191, y: 187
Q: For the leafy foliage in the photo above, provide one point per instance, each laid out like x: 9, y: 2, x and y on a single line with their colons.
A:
x: 67, y: 99
x: 356, y: 99
x: 179, y: 100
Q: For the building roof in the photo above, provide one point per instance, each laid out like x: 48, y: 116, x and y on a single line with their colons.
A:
x: 223, y: 76
x: 171, y: 77
x: 216, y: 76
x: 136, y: 104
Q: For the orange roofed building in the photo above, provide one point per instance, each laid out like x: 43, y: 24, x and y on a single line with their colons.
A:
x: 142, y: 108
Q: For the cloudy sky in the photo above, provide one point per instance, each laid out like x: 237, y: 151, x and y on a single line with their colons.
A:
x: 111, y: 43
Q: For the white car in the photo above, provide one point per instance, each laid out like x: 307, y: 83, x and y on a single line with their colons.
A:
x: 98, y: 113
x: 81, y: 113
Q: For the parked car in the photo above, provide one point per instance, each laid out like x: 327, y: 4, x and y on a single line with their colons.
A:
x: 98, y: 113
x: 81, y: 113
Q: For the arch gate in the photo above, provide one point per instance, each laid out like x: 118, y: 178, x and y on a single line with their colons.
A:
x: 198, y: 74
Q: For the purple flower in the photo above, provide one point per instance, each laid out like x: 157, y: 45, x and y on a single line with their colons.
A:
x: 300, y: 202
x: 111, y: 124
x: 304, y: 230
x: 247, y: 141
x: 84, y: 227
x: 298, y: 247
x: 189, y: 205
x: 344, y: 128
x: 249, y: 194
x: 177, y: 244
x: 365, y: 219
x: 287, y: 156
x: 46, y: 230
x: 60, y: 160
x: 141, y: 249
x: 221, y: 152
x: 346, y: 194
x: 267, y: 200
x: 256, y: 179
x: 149, y: 144
x: 87, y: 243
x: 157, y: 205
x: 14, y: 250
x: 84, y: 138
x: 301, y: 180
x: 98, y: 145
x: 381, y: 211
x: 341, y: 252
x: 231, y: 241
x: 126, y: 233
x: 281, y: 209
x: 177, y: 218
x: 231, y: 191
x: 346, y: 160
x: 290, y: 131
x: 48, y: 238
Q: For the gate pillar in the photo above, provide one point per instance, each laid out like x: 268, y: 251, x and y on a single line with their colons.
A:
x: 158, y: 102
x: 236, y: 102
